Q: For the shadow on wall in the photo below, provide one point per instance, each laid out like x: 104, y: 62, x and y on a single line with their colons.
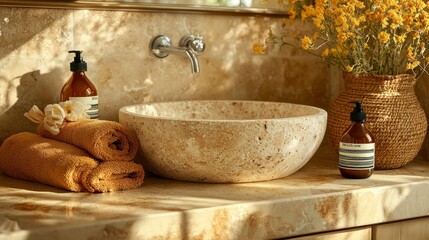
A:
x: 422, y: 92
x: 30, y: 91
x: 24, y: 54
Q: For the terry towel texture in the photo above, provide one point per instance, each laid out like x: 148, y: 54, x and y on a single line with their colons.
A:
x: 105, y: 140
x: 113, y: 176
x: 29, y: 156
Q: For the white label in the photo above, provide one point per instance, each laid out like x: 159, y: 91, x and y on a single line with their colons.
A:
x: 357, y: 156
x: 93, y: 101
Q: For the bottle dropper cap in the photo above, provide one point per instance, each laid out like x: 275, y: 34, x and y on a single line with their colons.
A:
x: 357, y: 115
x: 78, y: 65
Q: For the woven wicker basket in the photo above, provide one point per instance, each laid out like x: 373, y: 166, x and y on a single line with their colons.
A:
x: 394, y: 116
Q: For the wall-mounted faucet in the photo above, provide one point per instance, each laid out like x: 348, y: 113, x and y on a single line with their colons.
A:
x: 190, y: 46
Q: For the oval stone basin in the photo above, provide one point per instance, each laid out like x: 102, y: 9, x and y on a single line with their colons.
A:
x: 225, y: 141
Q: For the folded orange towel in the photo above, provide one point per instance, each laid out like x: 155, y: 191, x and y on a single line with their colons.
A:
x: 32, y: 157
x: 111, y: 176
x: 105, y: 140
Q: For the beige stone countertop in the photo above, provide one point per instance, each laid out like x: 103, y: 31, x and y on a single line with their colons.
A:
x: 315, y: 199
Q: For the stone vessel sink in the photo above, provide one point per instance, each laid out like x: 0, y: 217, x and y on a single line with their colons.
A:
x: 225, y: 141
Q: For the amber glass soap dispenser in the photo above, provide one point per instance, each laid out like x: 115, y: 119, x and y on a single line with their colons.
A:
x: 79, y: 87
x: 357, y: 147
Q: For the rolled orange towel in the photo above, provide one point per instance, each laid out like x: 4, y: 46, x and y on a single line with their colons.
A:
x: 105, y: 140
x: 31, y: 157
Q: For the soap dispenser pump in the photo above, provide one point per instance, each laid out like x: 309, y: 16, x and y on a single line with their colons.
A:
x: 357, y: 147
x: 79, y: 87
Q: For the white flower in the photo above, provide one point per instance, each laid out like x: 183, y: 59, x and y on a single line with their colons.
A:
x: 35, y: 115
x: 75, y: 110
x: 56, y: 114
x: 54, y: 118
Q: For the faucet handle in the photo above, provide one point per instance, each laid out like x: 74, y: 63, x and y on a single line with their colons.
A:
x: 194, y: 42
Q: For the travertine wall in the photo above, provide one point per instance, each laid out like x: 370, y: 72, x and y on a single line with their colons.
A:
x: 34, y: 61
x: 35, y: 64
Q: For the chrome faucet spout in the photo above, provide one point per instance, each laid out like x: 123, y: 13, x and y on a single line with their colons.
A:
x: 190, y: 46
x: 195, y: 66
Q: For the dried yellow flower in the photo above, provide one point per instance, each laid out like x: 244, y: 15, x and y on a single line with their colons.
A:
x: 410, y: 53
x: 306, y: 43
x: 325, y: 52
x: 399, y: 38
x: 292, y: 14
x: 258, y: 48
x: 364, y: 36
x: 413, y: 65
x: 383, y: 37
x: 348, y: 68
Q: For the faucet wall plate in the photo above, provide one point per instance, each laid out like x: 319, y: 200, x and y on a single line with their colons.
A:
x: 158, y: 42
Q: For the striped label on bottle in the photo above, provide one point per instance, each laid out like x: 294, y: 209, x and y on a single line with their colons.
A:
x: 357, y: 156
x: 93, y: 101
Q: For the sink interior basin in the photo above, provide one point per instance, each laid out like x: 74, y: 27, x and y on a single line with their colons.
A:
x: 225, y: 141
x: 221, y: 110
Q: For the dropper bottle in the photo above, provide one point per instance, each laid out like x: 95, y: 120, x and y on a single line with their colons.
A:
x: 79, y: 87
x: 357, y: 147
